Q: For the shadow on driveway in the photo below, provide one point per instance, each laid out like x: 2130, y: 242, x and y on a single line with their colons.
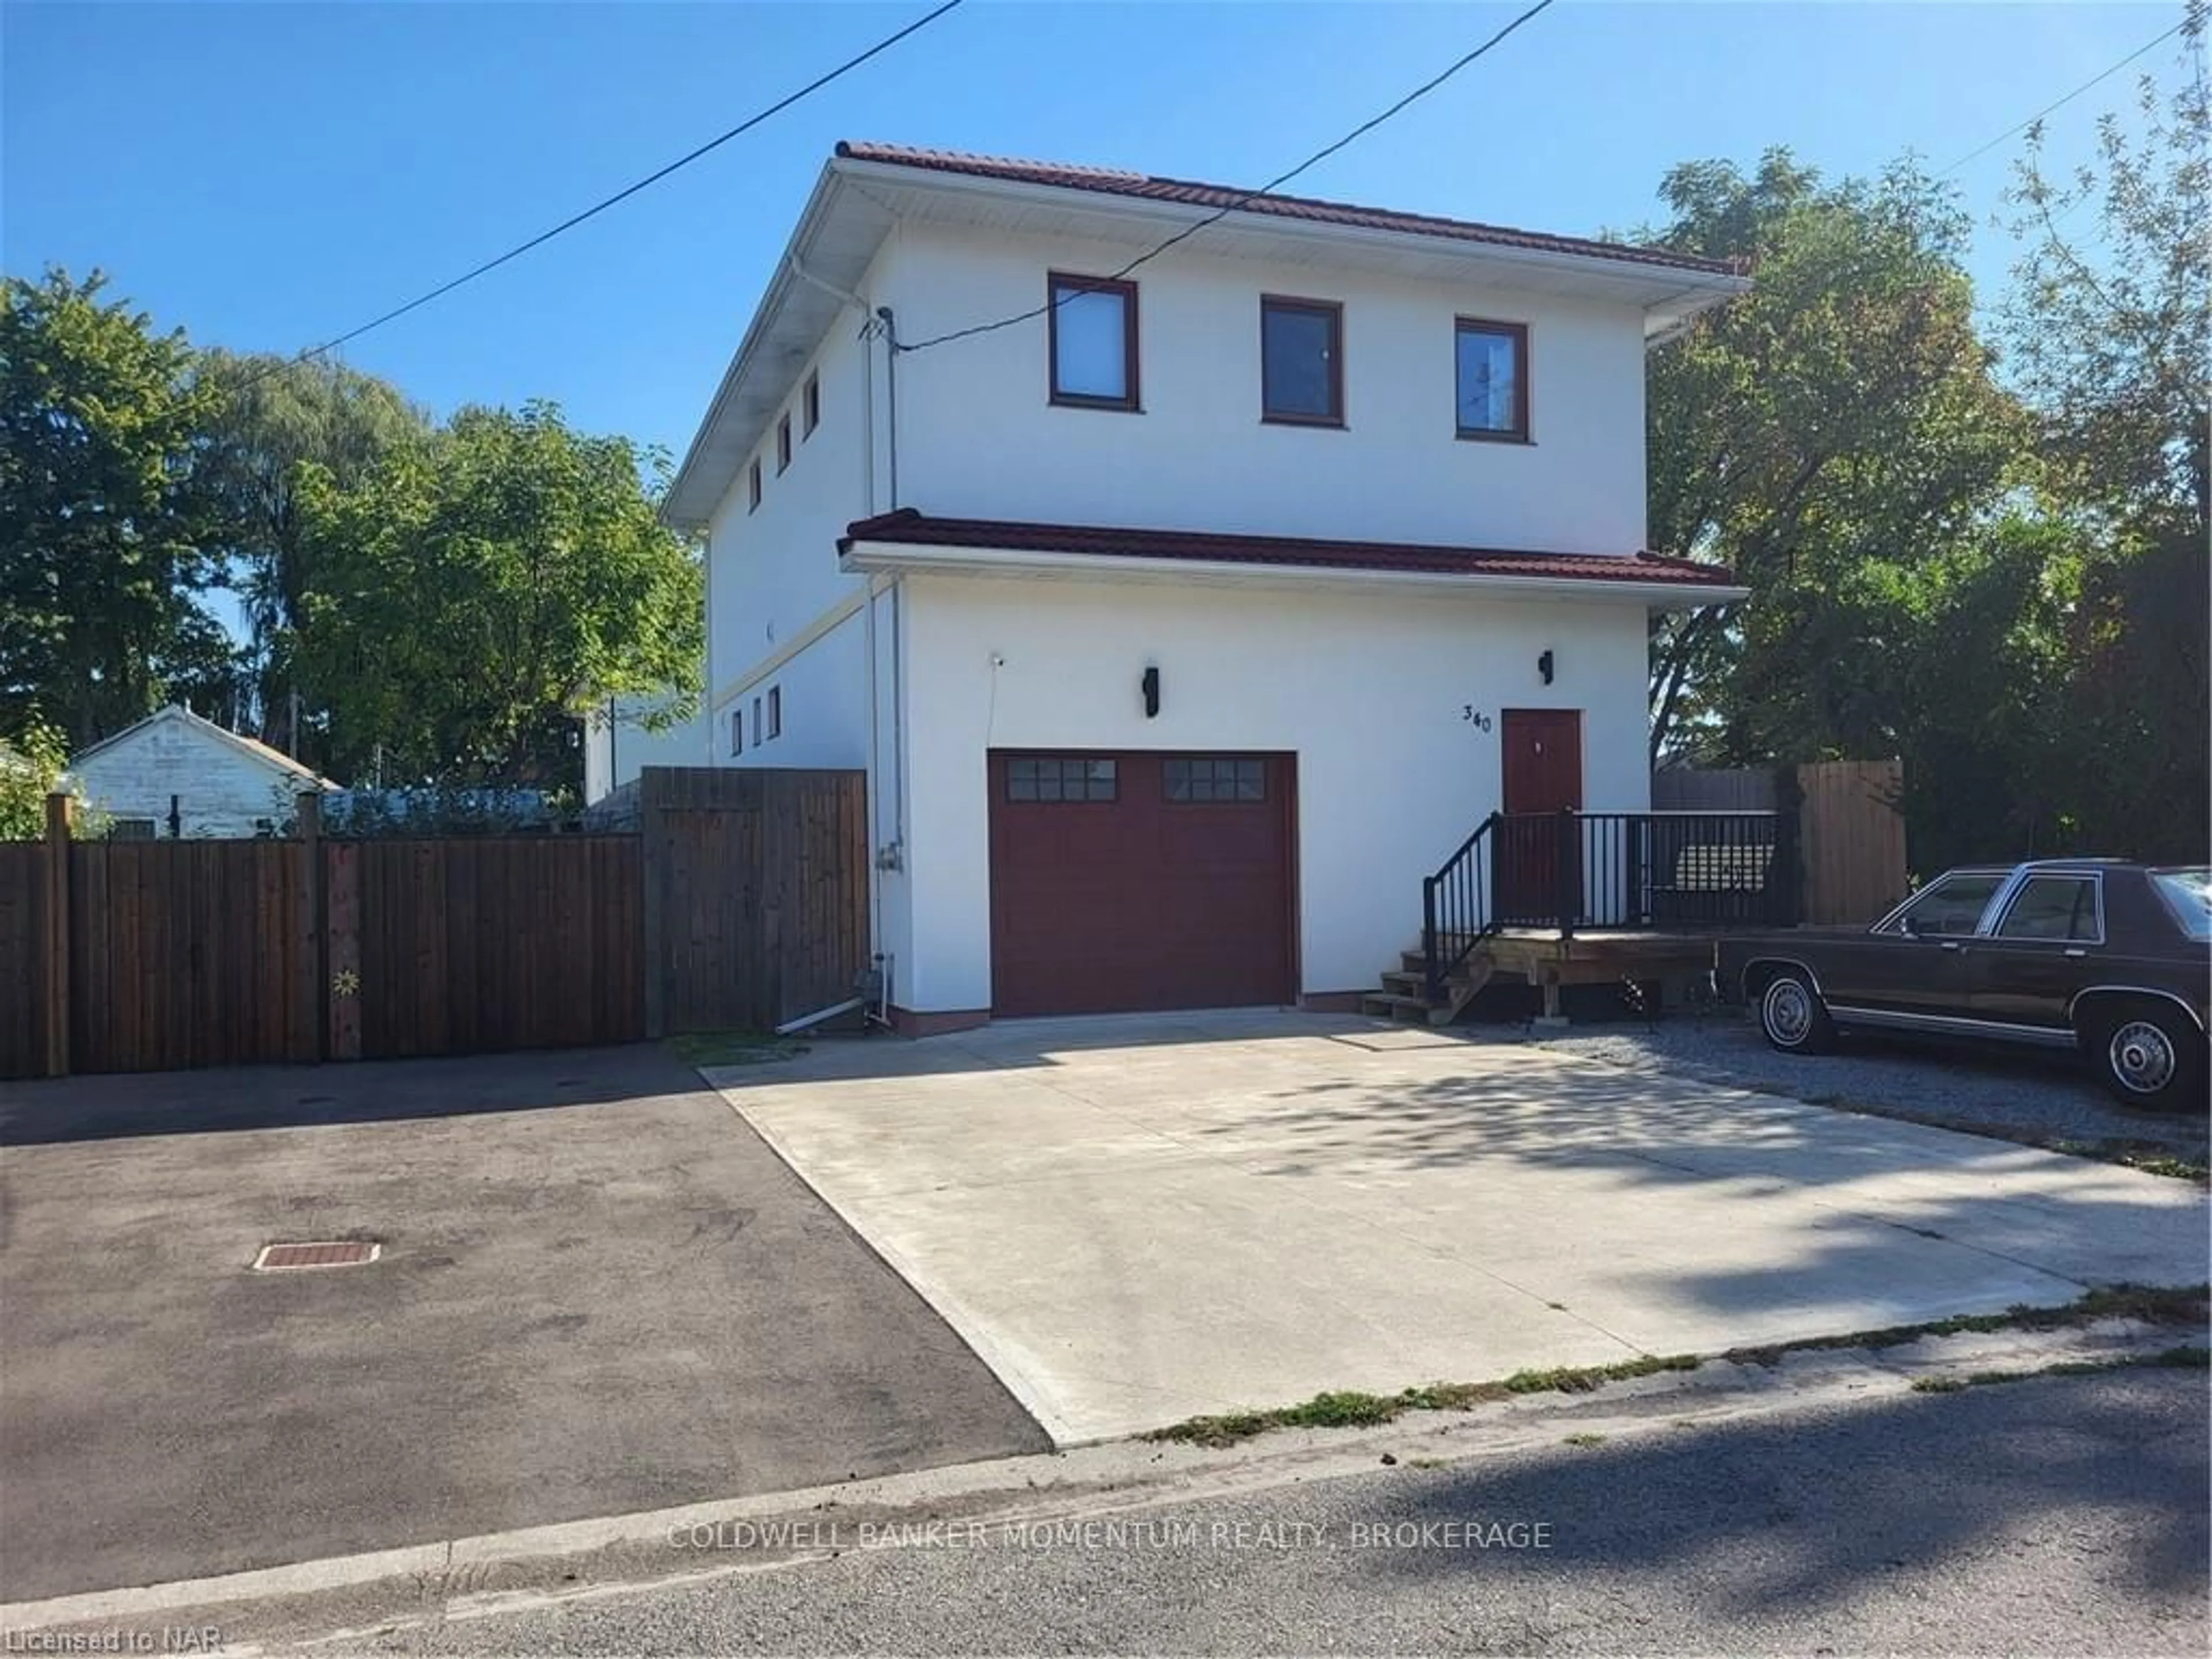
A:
x: 600, y: 1292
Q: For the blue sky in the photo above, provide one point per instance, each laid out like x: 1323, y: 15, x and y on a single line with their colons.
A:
x: 269, y: 175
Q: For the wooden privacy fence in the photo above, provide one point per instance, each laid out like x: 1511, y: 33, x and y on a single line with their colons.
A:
x: 756, y: 895
x: 1850, y: 826
x: 743, y: 904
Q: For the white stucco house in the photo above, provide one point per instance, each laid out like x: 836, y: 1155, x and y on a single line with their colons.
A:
x: 1182, y: 617
x: 215, y: 782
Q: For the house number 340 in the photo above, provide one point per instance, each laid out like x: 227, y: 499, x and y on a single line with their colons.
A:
x: 1474, y: 717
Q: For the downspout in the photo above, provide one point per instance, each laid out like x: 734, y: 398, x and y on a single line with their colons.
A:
x: 891, y: 390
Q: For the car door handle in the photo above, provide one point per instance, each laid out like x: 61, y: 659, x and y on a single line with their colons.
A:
x: 1951, y: 945
x: 2076, y: 950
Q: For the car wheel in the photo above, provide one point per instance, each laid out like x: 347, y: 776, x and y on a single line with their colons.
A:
x: 1793, y: 1017
x: 2149, y: 1056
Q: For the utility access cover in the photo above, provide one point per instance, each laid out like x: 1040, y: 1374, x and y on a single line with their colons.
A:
x: 341, y: 1253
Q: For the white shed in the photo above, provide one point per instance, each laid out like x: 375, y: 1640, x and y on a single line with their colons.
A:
x: 216, y: 782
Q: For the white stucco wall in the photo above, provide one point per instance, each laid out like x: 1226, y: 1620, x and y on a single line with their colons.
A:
x: 772, y: 572
x: 221, y: 790
x: 1368, y: 690
x: 978, y: 437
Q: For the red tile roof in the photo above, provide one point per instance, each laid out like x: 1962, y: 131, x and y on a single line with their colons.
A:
x: 908, y: 527
x: 1108, y: 181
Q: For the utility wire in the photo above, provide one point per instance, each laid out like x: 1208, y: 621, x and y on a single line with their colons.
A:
x: 1272, y: 186
x: 601, y: 206
x: 2011, y: 133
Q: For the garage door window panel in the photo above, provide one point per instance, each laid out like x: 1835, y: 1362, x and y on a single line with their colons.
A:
x: 1214, y: 778
x: 1062, y: 779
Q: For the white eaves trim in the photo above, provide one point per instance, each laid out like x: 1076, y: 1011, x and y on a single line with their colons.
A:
x: 896, y: 556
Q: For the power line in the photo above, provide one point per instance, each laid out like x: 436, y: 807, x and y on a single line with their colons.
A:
x: 2106, y: 75
x: 601, y: 206
x: 1272, y: 186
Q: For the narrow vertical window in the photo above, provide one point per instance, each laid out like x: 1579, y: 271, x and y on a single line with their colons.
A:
x: 775, y: 711
x: 753, y: 486
x: 1091, y: 336
x: 783, y: 441
x: 759, y: 733
x: 1493, y: 379
x: 738, y: 730
x: 812, y: 404
x: 1302, y: 360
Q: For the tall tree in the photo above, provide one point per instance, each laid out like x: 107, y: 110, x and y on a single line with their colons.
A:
x: 1842, y: 414
x: 480, y: 587
x: 2109, y: 329
x: 102, y: 520
x: 276, y: 416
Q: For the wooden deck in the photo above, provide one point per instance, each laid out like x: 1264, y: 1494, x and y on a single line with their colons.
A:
x: 1545, y: 958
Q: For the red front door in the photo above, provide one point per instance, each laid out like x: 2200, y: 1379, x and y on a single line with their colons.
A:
x: 1542, y: 759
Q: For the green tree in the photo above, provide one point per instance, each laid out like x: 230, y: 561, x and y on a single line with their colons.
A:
x: 2109, y: 328
x: 276, y: 416
x: 101, y: 519
x: 479, y: 587
x: 1844, y: 412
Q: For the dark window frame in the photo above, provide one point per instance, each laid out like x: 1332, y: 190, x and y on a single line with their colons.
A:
x: 1221, y: 783
x: 1333, y: 311
x: 783, y: 443
x: 738, y: 730
x: 810, y: 403
x: 1054, y: 281
x: 753, y: 486
x: 1031, y: 769
x: 1518, y: 332
x: 775, y: 712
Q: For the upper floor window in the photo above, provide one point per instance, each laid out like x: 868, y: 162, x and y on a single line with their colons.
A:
x: 738, y: 730
x: 1493, y: 379
x: 1302, y: 360
x: 753, y: 485
x: 810, y: 403
x: 774, y: 711
x: 1092, y: 336
x: 783, y: 441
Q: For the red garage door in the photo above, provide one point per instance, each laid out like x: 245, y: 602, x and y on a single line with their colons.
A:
x: 1134, y: 881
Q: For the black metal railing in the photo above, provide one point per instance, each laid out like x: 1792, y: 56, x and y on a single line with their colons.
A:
x: 1584, y: 872
x: 1455, y: 907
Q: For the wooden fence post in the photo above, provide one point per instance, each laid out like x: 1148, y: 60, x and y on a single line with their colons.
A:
x: 653, y: 853
x: 311, y: 1017
x: 56, y: 952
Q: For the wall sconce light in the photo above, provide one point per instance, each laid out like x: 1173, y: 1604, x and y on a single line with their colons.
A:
x: 1544, y: 667
x: 1151, y: 686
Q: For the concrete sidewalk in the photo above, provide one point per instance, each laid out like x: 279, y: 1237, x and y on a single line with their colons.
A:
x: 1137, y: 1220
x: 600, y: 1293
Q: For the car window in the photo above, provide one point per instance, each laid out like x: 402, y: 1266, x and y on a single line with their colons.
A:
x: 2188, y: 894
x: 2052, y: 906
x: 1950, y: 904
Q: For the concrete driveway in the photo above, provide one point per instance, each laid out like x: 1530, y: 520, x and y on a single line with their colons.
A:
x: 1138, y: 1219
x: 600, y: 1293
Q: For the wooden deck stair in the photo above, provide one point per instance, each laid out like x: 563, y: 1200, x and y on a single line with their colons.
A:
x: 1404, y: 995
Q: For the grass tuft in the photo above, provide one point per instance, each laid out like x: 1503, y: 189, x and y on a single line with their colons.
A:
x: 2145, y: 1304
x: 733, y: 1048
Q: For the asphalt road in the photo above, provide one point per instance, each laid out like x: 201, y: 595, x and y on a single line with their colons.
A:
x: 2058, y: 1515
x: 599, y: 1292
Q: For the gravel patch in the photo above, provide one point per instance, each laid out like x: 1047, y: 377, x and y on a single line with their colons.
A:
x: 2035, y: 1098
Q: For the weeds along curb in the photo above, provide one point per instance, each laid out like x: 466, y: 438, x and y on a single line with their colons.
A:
x: 1351, y: 1408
